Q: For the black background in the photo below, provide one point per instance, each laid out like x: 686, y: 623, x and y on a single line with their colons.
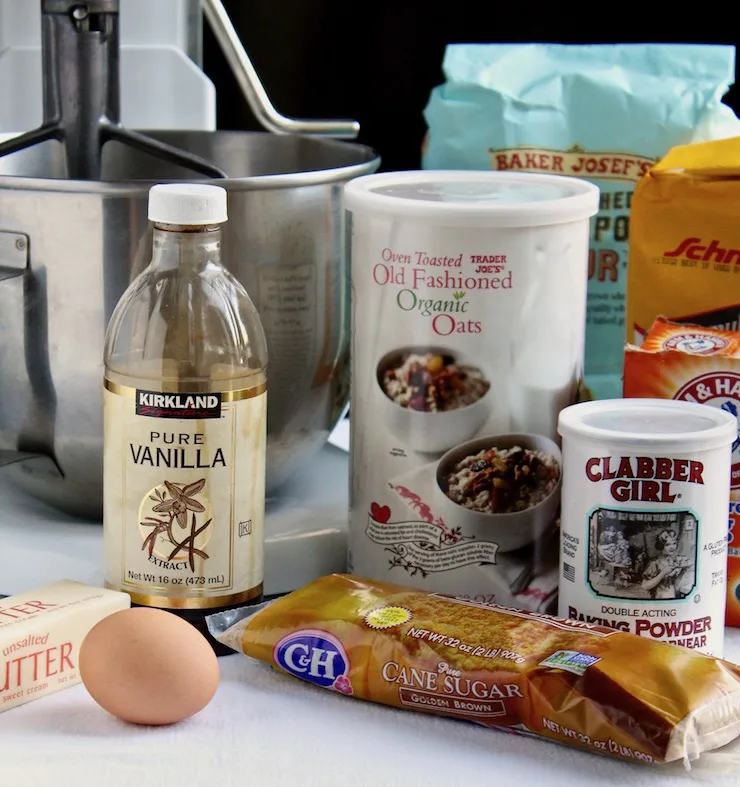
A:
x: 377, y: 62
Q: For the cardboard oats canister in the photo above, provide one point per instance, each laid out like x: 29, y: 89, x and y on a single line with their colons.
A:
x: 468, y: 319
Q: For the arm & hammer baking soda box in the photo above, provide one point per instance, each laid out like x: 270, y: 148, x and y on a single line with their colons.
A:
x: 694, y: 363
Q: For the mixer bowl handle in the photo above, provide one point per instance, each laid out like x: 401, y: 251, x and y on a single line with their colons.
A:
x: 253, y: 90
x: 13, y: 457
x: 13, y: 254
x: 33, y: 436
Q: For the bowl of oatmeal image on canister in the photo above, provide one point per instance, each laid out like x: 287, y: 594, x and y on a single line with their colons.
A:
x: 432, y: 397
x: 504, y: 489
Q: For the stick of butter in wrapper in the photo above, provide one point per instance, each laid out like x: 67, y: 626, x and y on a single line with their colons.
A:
x: 594, y: 688
x: 40, y: 636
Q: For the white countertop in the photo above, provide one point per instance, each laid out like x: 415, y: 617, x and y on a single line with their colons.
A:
x: 262, y: 727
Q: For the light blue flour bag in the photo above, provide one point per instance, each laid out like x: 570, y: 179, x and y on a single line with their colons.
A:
x: 601, y: 112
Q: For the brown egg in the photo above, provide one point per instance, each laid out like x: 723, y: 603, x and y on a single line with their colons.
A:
x: 147, y: 666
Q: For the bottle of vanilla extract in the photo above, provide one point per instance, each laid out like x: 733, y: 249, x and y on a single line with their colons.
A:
x: 185, y: 421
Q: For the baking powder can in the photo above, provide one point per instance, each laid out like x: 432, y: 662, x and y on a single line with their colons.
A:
x: 644, y: 518
x: 468, y: 319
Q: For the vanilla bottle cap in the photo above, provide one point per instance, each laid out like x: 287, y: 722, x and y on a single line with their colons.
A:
x: 187, y: 204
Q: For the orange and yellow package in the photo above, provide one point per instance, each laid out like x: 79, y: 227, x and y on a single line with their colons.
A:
x: 684, y: 258
x: 594, y: 688
x: 695, y: 364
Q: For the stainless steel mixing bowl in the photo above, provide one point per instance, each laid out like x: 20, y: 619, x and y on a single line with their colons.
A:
x: 69, y: 248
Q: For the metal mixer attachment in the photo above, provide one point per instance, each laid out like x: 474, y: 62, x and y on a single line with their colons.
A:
x: 253, y: 91
x: 81, y: 91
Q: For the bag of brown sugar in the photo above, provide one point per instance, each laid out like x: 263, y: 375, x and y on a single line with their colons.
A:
x: 600, y: 690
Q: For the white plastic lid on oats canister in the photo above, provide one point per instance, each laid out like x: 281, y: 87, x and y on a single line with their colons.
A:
x: 657, y: 424
x: 472, y: 198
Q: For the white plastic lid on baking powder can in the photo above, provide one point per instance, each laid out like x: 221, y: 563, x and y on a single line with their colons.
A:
x: 468, y: 318
x: 644, y: 518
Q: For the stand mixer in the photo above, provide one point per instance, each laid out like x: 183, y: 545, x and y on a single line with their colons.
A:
x: 74, y: 232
